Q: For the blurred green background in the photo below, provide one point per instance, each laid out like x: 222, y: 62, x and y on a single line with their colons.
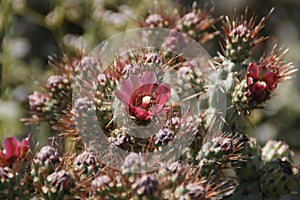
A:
x: 31, y: 30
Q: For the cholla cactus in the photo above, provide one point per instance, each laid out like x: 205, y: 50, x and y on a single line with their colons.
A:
x: 139, y: 112
x: 249, y: 85
x: 196, y: 24
x: 132, y: 162
x: 278, y: 178
x: 59, y: 184
x: 241, y: 36
x: 14, y: 185
x: 217, y: 153
x: 37, y: 101
x: 164, y: 136
x: 146, y: 186
x: 276, y: 149
x: 47, y: 155
x: 44, y: 163
x: 247, y: 168
x: 196, y: 191
x: 157, y: 20
x: 88, y: 162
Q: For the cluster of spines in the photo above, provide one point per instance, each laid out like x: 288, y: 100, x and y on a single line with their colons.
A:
x: 241, y: 35
x: 242, y: 156
x: 248, y: 85
x: 229, y: 166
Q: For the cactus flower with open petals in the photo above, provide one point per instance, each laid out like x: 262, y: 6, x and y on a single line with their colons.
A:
x: 13, y: 149
x: 143, y: 98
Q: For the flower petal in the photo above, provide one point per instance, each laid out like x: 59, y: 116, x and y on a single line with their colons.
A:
x: 249, y: 81
x: 127, y: 86
x: 149, y: 77
x: 136, y: 82
x: 23, y: 148
x: 140, y: 114
x: 146, y: 88
x: 271, y: 79
x: 163, y: 93
x: 122, y: 96
x: 155, y: 109
x: 253, y: 71
x: 10, y: 145
x: 25, y: 141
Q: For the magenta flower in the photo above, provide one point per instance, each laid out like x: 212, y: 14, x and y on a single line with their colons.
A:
x: 260, y: 82
x: 13, y: 149
x: 143, y: 98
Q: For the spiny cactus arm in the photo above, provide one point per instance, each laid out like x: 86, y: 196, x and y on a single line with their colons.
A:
x: 241, y: 35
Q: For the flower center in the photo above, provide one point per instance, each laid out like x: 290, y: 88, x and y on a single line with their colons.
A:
x: 146, y: 100
x: 262, y: 84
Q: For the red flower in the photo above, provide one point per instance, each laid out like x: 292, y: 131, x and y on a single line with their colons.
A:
x: 260, y: 82
x: 143, y: 98
x: 13, y: 149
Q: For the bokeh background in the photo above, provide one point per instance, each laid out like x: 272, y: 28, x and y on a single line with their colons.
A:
x: 31, y: 30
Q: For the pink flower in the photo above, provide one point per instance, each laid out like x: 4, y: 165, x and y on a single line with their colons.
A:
x: 13, y: 149
x: 143, y: 98
x: 260, y: 82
